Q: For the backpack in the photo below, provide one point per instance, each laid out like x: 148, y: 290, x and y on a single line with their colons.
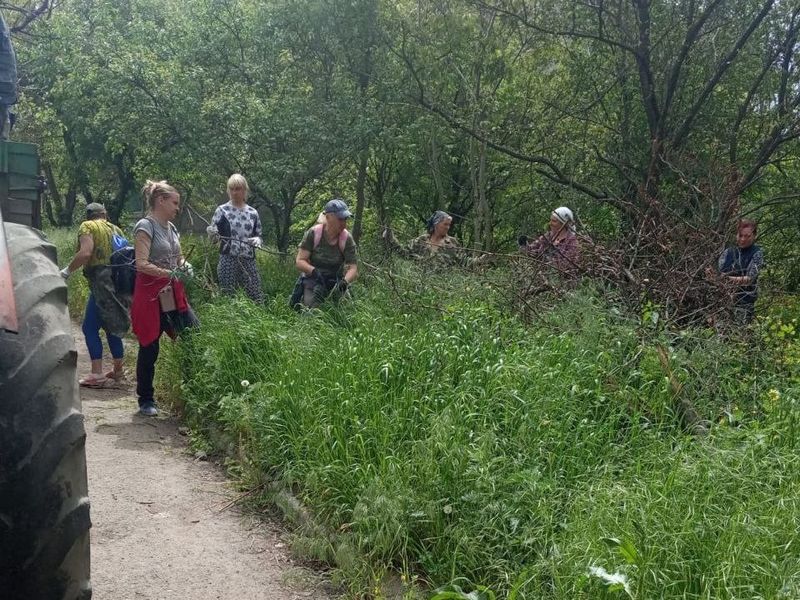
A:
x: 123, y: 264
x: 317, y: 229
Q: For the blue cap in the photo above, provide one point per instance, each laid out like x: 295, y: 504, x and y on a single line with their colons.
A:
x: 337, y: 207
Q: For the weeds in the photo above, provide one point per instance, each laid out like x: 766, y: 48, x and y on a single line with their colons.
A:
x: 434, y: 435
x: 450, y: 442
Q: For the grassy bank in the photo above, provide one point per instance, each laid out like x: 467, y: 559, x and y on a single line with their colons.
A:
x: 440, y: 438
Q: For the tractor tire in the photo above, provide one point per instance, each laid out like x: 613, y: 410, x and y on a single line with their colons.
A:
x: 44, y: 504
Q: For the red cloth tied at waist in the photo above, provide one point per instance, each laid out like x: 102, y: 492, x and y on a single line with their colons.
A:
x: 146, y: 310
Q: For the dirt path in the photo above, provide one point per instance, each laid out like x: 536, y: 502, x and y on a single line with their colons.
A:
x: 159, y: 531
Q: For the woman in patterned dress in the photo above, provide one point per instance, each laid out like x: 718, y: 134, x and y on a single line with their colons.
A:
x: 237, y: 227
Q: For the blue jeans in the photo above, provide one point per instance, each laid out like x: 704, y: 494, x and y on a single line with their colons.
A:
x: 91, y: 331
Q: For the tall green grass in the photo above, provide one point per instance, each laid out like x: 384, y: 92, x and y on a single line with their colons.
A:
x: 65, y: 241
x: 440, y: 437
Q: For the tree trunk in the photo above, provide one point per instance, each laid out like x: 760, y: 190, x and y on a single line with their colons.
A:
x: 441, y: 198
x: 361, y: 181
x: 283, y: 219
x: 487, y: 236
x: 127, y: 183
x: 482, y: 222
x: 66, y: 216
x: 52, y: 198
x: 77, y: 175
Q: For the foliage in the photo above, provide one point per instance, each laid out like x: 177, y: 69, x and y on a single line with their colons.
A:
x: 66, y: 242
x: 439, y: 435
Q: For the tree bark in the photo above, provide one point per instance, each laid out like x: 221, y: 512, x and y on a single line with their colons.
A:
x: 52, y: 198
x: 127, y: 183
x: 361, y: 180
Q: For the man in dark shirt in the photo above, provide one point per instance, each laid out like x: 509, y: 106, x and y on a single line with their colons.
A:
x: 740, y: 267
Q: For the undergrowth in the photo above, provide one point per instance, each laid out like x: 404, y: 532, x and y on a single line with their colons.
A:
x: 432, y: 434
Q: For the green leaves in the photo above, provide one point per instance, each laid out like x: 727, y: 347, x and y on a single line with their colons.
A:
x: 625, y: 548
x: 455, y: 592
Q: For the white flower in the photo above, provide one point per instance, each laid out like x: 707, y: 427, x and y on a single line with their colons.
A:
x: 611, y: 579
x: 245, y: 383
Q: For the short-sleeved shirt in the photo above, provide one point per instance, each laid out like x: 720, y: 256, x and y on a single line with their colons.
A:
x: 165, y: 245
x: 328, y: 258
x: 237, y: 223
x: 101, y: 232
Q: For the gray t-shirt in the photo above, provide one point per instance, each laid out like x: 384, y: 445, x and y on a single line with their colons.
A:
x: 165, y: 245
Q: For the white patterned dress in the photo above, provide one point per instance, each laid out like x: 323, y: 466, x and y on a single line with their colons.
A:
x: 237, y: 259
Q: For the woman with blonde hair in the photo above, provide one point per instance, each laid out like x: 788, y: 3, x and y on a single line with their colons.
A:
x: 237, y: 227
x: 159, y: 296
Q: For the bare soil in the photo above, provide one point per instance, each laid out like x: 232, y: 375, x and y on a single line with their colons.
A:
x: 163, y: 526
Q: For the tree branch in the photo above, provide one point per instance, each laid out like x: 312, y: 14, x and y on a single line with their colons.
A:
x: 722, y: 68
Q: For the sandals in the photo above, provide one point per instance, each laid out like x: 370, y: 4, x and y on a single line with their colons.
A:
x: 116, y: 376
x: 93, y: 380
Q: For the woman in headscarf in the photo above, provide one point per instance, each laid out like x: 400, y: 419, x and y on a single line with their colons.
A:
x: 559, y: 245
x: 436, y: 243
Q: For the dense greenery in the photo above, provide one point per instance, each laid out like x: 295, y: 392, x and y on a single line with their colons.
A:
x: 432, y: 433
x: 494, y: 111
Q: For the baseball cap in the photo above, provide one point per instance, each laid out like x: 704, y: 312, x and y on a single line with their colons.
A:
x: 94, y: 207
x: 339, y: 208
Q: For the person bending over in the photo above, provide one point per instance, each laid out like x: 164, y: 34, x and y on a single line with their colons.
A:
x: 326, y: 258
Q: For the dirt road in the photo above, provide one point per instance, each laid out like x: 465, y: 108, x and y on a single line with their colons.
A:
x: 159, y: 530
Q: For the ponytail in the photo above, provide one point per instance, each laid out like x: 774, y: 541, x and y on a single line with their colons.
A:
x: 153, y: 190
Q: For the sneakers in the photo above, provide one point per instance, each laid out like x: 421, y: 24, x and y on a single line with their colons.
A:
x: 148, y: 409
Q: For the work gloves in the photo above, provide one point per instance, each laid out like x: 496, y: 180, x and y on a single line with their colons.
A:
x: 317, y: 276
x: 341, y: 287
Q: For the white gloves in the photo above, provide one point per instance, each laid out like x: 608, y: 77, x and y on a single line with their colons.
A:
x: 65, y: 273
x: 187, y: 268
x: 213, y: 234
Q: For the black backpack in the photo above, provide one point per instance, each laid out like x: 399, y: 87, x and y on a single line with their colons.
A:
x: 123, y: 270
